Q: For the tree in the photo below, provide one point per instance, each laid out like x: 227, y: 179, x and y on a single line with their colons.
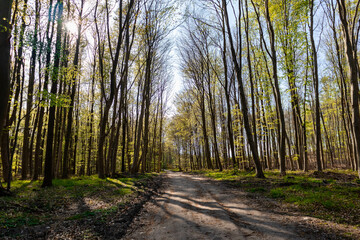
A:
x: 30, y: 95
x: 5, y: 13
x: 273, y: 56
x: 350, y: 31
x: 73, y: 92
x: 315, y: 74
x: 244, y: 103
x: 156, y: 13
x: 5, y: 33
x: 48, y: 176
x: 114, y: 87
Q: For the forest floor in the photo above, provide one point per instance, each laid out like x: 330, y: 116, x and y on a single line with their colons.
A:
x: 192, y: 206
x: 196, y: 205
x: 76, y: 208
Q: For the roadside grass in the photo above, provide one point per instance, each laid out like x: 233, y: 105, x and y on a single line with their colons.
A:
x: 332, y: 195
x: 68, y: 199
x: 174, y: 169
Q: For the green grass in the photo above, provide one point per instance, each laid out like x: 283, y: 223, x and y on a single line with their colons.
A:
x: 33, y: 205
x: 257, y: 189
x: 175, y: 169
x: 333, y: 195
x: 90, y: 213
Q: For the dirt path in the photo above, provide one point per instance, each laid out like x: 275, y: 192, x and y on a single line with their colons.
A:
x: 193, y: 207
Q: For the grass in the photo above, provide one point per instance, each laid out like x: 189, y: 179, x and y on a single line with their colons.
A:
x: 174, y: 169
x: 89, y: 213
x: 32, y: 205
x: 332, y: 195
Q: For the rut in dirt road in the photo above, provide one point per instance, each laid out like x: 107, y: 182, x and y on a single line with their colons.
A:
x: 193, y: 207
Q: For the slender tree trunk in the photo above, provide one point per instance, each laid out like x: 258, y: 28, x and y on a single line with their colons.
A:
x: 244, y: 103
x: 316, y: 87
x: 26, y: 150
x: 250, y: 69
x: 277, y: 94
x: 328, y: 141
x: 13, y: 147
x: 227, y: 94
x: 213, y: 120
x: 91, y: 121
x: 39, y: 139
x: 290, y: 63
x: 351, y: 41
x: 205, y: 135
x: 47, y: 182
x: 72, y: 96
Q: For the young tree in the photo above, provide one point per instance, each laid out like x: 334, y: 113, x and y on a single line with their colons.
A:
x: 30, y: 95
x: 315, y: 73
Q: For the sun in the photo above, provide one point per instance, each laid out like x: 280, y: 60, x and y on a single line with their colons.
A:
x: 72, y: 27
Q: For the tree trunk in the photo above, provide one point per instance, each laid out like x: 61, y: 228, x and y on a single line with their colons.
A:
x: 47, y: 182
x: 5, y: 14
x: 72, y: 96
x: 350, y: 39
x: 244, y: 104
x: 316, y: 88
x: 277, y: 94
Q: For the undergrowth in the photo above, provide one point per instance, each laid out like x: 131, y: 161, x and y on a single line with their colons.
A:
x: 70, y: 199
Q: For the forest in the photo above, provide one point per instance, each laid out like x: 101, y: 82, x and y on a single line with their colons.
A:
x: 277, y: 89
x: 119, y: 88
x: 88, y: 88
x: 264, y: 85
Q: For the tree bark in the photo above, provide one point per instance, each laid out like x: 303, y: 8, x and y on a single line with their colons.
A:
x: 277, y: 94
x: 72, y: 96
x: 351, y: 41
x: 244, y: 103
x: 47, y: 182
x: 5, y: 34
x: 315, y: 73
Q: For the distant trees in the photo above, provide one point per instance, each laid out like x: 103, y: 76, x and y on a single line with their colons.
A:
x: 297, y: 113
x: 114, y: 85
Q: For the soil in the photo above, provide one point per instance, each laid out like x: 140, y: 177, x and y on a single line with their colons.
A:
x: 195, y: 207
